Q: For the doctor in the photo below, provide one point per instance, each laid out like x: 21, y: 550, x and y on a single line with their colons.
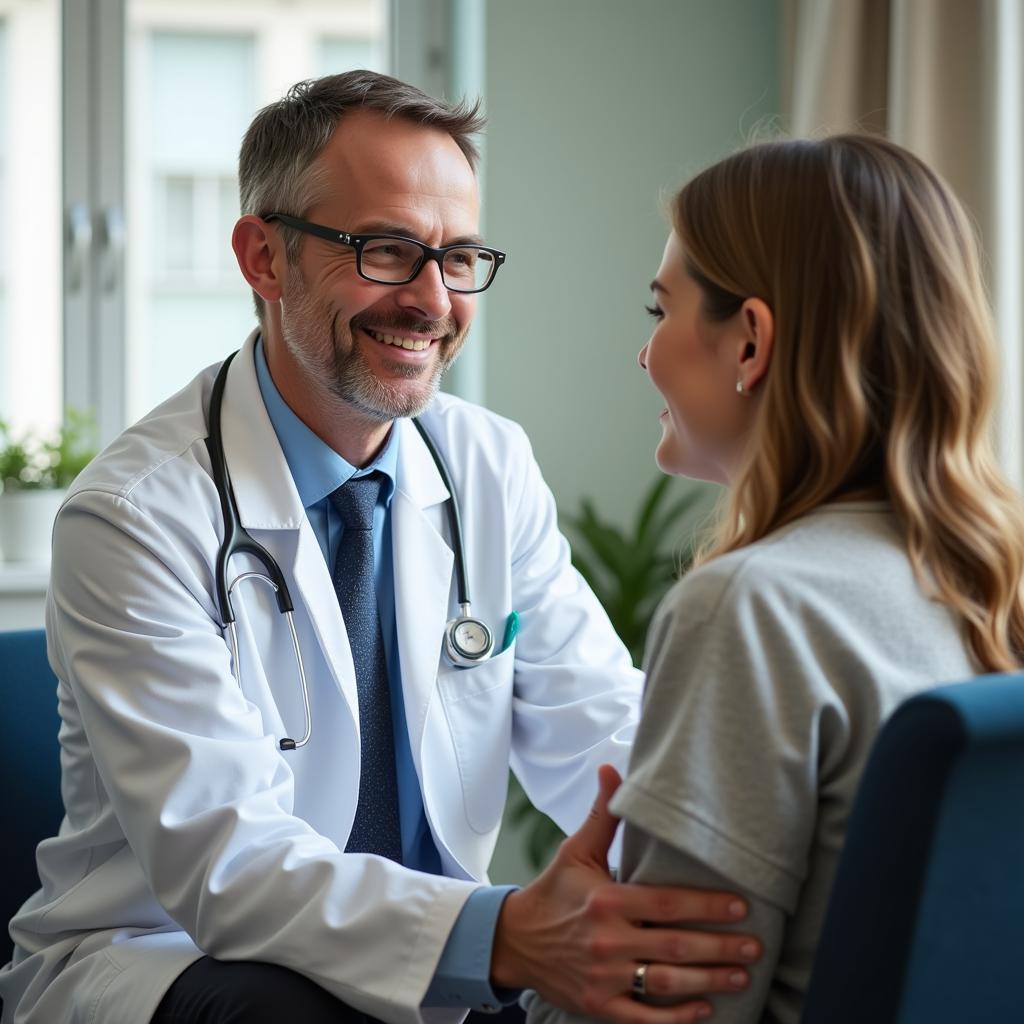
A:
x: 248, y: 841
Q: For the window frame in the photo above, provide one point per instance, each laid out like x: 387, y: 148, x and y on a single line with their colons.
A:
x: 93, y: 160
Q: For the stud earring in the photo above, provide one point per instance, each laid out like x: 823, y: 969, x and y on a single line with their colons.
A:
x: 739, y: 387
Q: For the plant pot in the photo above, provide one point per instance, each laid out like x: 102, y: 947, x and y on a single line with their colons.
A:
x: 26, y: 523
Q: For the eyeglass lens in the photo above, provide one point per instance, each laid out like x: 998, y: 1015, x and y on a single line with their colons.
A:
x: 391, y: 260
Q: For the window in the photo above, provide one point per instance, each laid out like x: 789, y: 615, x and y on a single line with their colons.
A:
x: 117, y: 281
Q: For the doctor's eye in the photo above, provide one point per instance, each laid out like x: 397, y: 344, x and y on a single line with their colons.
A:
x: 656, y: 311
x: 461, y: 257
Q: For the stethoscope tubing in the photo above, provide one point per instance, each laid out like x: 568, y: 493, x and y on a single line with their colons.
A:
x: 287, y: 743
x: 237, y: 540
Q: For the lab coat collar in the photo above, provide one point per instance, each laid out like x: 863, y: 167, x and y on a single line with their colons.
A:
x: 418, y: 476
x: 423, y: 563
x: 268, y: 500
x: 253, y: 452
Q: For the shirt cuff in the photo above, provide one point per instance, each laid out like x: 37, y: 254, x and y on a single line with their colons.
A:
x: 463, y: 975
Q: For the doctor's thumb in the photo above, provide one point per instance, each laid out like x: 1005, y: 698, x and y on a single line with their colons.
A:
x: 595, y: 835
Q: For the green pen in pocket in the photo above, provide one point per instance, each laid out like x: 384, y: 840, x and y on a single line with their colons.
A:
x: 511, y: 628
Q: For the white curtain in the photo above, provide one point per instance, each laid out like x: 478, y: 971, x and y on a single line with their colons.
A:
x: 943, y: 78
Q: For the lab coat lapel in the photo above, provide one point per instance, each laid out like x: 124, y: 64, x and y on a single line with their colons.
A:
x: 268, y: 501
x: 423, y: 563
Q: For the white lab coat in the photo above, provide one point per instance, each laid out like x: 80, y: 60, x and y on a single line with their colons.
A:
x: 187, y: 830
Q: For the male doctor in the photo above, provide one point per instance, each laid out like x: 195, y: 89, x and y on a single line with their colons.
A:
x: 207, y: 868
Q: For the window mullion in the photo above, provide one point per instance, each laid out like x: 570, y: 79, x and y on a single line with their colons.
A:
x: 77, y: 200
x: 419, y: 43
x: 109, y: 205
x: 93, y: 136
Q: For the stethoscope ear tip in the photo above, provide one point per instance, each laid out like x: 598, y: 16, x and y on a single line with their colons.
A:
x: 287, y: 744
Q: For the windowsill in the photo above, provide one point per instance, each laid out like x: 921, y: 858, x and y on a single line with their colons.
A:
x: 24, y: 577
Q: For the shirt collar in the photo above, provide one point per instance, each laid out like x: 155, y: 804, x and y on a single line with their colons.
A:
x: 316, y: 467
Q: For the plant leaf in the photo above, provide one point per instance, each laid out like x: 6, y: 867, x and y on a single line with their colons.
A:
x: 652, y: 500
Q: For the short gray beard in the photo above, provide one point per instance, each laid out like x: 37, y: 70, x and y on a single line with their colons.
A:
x: 311, y: 336
x: 354, y: 382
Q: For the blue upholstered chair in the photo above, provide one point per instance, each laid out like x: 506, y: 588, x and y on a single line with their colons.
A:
x: 926, y: 919
x: 29, y: 767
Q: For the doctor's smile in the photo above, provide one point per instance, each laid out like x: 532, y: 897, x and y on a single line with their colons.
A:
x: 410, y: 344
x: 403, y: 338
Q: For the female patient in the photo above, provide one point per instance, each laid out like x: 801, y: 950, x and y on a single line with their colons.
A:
x: 823, y: 347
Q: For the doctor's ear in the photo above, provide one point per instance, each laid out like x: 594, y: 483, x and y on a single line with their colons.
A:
x: 261, y: 257
x: 757, y: 337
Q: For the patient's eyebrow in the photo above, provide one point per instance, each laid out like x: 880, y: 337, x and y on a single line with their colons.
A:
x: 657, y: 286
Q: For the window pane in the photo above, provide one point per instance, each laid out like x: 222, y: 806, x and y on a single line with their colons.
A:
x: 200, y: 90
x: 337, y: 55
x: 202, y: 95
x: 174, y: 241
x: 198, y: 72
x: 227, y: 213
x: 30, y: 210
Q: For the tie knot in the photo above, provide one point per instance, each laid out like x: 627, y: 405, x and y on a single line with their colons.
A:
x: 356, y: 499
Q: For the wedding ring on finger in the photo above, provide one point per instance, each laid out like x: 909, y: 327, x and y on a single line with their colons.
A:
x: 639, y: 985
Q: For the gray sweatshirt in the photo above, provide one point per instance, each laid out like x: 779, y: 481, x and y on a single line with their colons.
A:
x: 769, y: 672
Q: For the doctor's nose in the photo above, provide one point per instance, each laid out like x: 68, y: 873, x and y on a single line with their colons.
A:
x: 642, y: 357
x: 425, y: 293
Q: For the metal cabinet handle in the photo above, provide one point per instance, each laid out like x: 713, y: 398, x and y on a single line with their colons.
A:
x: 112, y: 234
x: 79, y: 242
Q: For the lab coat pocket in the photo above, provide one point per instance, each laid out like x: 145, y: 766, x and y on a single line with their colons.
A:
x: 478, y: 706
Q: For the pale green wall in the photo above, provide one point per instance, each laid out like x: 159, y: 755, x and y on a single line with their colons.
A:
x: 596, y: 108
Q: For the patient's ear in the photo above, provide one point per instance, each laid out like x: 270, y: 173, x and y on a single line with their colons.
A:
x: 259, y: 250
x: 757, y: 326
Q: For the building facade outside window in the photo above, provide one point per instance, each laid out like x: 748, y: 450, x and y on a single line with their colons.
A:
x: 198, y: 71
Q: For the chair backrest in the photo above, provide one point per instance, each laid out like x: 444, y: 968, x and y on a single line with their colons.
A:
x: 29, y: 767
x: 926, y: 917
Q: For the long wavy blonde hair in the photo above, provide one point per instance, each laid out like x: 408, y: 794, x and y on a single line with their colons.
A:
x: 883, y: 374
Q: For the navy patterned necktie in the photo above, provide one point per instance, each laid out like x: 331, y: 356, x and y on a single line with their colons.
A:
x: 376, y: 828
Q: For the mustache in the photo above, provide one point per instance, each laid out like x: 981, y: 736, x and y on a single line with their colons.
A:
x: 396, y: 322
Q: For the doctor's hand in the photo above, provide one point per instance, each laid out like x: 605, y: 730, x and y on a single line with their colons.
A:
x: 577, y: 937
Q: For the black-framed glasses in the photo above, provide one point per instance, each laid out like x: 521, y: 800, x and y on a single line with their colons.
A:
x: 392, y: 259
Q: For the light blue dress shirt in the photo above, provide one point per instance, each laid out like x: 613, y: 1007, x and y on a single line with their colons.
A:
x: 463, y: 972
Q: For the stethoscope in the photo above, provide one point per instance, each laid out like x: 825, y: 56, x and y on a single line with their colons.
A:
x: 467, y: 639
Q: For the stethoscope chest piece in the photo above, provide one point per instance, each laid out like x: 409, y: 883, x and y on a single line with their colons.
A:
x: 467, y: 640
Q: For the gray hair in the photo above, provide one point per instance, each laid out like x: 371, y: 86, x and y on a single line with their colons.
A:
x: 275, y: 164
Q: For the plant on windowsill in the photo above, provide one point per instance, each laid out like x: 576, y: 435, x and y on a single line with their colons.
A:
x: 629, y: 571
x: 35, y: 473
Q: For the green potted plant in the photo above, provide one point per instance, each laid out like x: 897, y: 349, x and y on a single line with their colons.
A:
x: 629, y: 571
x: 35, y: 473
